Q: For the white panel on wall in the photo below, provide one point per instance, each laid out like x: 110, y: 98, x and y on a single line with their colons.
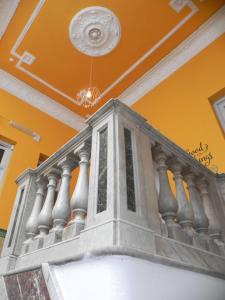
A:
x: 5, y: 154
x: 219, y: 107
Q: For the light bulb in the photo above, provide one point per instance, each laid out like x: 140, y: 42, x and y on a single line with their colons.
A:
x: 89, y: 95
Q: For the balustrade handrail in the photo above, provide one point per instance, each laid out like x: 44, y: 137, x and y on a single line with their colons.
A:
x: 177, y: 151
x: 156, y: 136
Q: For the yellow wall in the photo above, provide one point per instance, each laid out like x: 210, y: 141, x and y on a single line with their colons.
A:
x: 26, y: 152
x: 180, y: 108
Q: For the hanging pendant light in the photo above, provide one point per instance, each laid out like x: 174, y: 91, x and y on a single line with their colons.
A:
x: 94, y: 31
x: 88, y: 97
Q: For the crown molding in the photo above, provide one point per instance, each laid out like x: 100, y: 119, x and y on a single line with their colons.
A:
x: 7, y: 10
x: 40, y: 101
x: 207, y: 33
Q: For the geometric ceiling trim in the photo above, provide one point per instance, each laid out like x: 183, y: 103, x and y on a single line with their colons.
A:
x: 7, y: 10
x: 33, y: 97
x: 22, y: 59
x: 208, y: 32
x: 193, y: 8
x: 178, y: 5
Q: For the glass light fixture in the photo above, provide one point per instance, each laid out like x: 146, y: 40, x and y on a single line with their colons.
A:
x: 88, y: 97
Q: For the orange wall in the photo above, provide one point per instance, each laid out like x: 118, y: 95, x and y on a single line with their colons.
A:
x: 26, y: 152
x: 180, y: 108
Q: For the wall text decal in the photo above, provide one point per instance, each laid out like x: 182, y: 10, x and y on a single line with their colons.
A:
x: 202, y: 154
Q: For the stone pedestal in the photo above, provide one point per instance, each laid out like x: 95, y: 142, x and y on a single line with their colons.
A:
x: 36, y: 244
x: 200, y: 241
x: 177, y: 233
x: 54, y: 236
x: 26, y: 245
x: 72, y: 230
x: 221, y: 247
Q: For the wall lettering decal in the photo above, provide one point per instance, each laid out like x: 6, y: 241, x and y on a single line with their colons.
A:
x: 203, y: 154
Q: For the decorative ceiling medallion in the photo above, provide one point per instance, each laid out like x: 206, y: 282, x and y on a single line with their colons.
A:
x: 95, y: 31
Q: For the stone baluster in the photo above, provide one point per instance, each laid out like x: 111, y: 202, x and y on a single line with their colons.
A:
x: 61, y: 210
x: 185, y: 213
x: 45, y: 216
x: 79, y: 200
x: 32, y: 222
x: 214, y: 226
x: 167, y: 203
x: 201, y: 222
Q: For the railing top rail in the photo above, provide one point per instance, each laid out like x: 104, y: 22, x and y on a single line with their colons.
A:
x: 156, y: 138
x: 177, y: 151
x: 155, y: 135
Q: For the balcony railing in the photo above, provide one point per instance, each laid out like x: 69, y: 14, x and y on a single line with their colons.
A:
x: 122, y: 201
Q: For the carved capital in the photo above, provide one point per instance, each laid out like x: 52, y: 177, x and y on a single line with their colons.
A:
x: 67, y: 163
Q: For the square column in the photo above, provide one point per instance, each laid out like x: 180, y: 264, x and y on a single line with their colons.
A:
x: 122, y: 202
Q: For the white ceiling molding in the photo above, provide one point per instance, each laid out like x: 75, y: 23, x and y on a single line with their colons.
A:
x: 28, y: 57
x: 40, y: 101
x: 178, y: 5
x: 212, y: 29
x: 7, y: 10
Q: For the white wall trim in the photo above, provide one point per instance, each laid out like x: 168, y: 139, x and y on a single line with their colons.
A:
x: 25, y: 130
x: 40, y: 101
x: 7, y: 10
x: 212, y: 29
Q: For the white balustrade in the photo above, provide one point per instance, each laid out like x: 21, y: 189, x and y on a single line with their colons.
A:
x: 191, y: 220
x: 45, y: 216
x: 79, y: 199
x: 61, y: 211
x: 185, y: 213
x: 167, y: 203
x: 214, y: 226
x: 201, y: 222
x: 32, y: 222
